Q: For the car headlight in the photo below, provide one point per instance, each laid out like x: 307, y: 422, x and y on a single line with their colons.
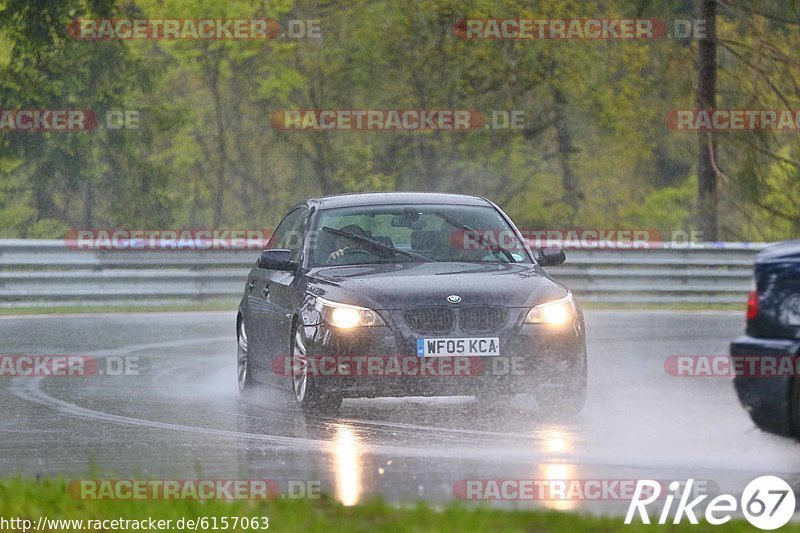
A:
x: 347, y: 316
x: 557, y: 312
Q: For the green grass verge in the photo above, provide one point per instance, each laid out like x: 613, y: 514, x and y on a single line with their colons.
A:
x: 28, y: 499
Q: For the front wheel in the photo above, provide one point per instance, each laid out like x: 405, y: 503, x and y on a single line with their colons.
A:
x: 567, y: 400
x: 307, y: 394
x: 244, y: 373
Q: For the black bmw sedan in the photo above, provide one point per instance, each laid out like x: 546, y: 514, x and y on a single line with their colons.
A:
x: 408, y: 294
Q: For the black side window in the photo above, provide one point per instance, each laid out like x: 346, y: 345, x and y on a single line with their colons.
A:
x: 290, y: 232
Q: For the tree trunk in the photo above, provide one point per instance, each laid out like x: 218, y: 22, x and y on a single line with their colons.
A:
x: 569, y: 180
x: 707, y: 198
x: 221, y: 144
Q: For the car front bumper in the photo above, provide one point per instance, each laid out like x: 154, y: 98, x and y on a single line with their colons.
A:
x: 531, y: 355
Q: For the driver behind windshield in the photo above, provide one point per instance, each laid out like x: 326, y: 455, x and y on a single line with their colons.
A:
x: 343, y: 244
x: 392, y: 234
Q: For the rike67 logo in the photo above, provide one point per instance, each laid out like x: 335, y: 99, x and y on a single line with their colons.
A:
x: 767, y: 502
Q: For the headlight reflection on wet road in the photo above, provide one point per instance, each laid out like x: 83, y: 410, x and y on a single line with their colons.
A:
x: 347, y: 461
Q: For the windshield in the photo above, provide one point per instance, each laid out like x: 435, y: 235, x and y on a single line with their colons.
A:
x: 413, y: 233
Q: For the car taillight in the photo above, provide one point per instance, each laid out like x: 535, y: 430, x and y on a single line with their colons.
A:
x: 752, y: 305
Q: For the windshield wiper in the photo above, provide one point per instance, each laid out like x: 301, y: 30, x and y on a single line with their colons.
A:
x: 482, y: 239
x: 375, y: 244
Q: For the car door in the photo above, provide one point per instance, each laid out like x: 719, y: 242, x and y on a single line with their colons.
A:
x: 267, y: 301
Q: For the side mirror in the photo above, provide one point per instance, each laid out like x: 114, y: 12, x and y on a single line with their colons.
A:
x: 550, y: 256
x: 276, y: 260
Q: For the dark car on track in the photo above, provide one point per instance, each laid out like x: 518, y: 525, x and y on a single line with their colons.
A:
x: 772, y: 338
x: 408, y: 294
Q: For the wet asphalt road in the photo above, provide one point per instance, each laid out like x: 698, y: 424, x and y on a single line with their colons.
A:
x: 184, y: 419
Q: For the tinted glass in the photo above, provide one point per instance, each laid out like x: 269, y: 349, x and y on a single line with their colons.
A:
x: 289, y: 233
x: 433, y: 232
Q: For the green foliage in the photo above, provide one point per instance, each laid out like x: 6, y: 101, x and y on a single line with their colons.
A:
x: 665, y: 209
x: 206, y: 153
x: 27, y: 499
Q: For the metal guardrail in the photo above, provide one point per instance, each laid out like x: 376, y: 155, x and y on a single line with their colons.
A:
x: 48, y: 273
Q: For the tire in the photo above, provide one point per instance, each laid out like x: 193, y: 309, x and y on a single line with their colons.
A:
x: 794, y: 407
x: 309, y: 397
x: 243, y: 369
x: 565, y: 401
x: 769, y: 402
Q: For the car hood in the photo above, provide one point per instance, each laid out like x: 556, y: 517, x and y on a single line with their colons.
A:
x: 402, y: 285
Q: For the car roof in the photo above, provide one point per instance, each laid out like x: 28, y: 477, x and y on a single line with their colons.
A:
x: 382, y: 198
x: 782, y: 251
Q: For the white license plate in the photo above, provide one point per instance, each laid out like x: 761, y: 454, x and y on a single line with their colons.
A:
x: 468, y: 346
